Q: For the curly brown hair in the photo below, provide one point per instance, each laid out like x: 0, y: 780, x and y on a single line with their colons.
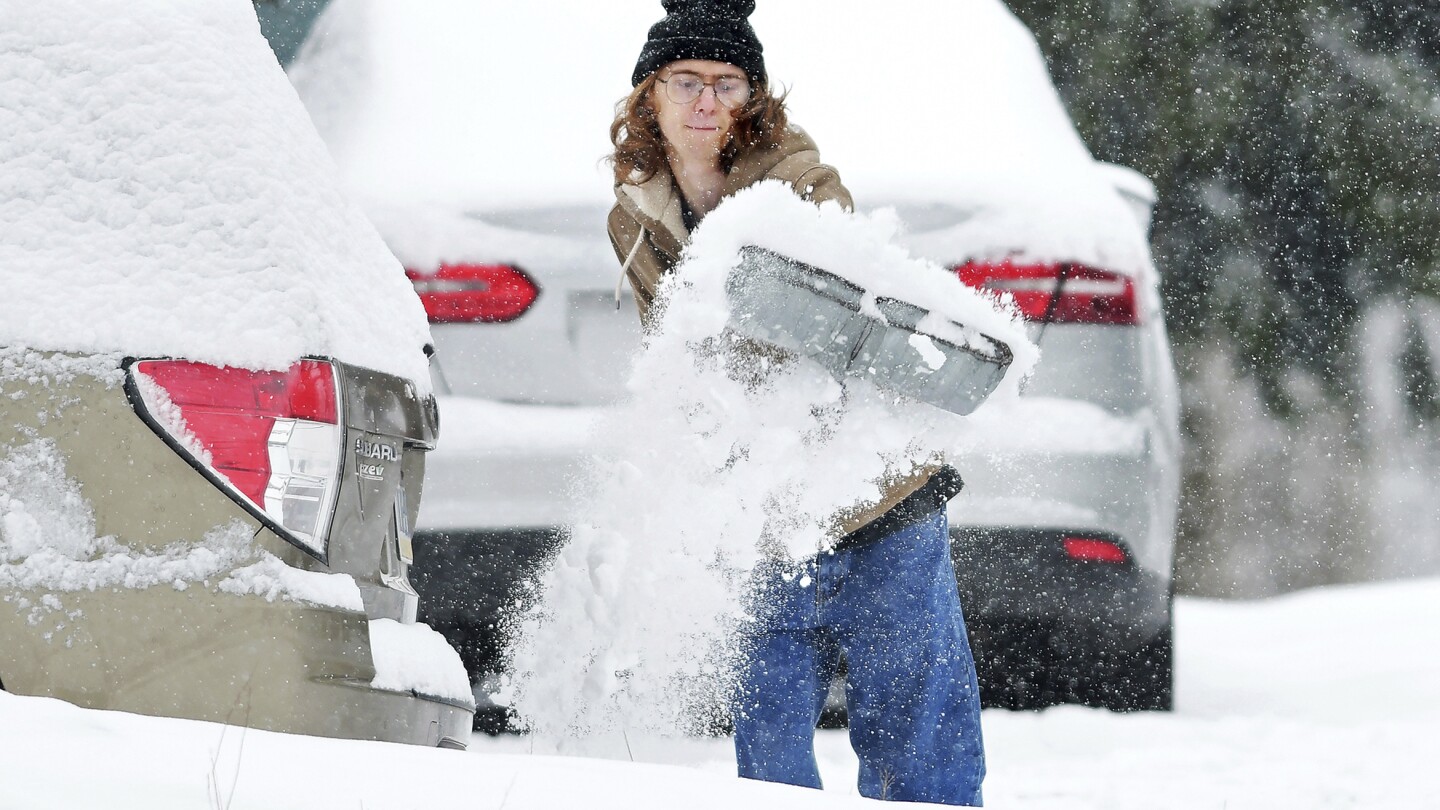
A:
x: 640, y: 147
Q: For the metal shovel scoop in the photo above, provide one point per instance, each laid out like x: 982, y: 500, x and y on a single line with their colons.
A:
x: 816, y: 314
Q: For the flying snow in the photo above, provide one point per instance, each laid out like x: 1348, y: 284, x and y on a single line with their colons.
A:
x: 726, y: 455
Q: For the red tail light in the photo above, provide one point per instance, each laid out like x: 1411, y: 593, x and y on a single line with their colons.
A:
x: 1087, y: 295
x: 1089, y: 549
x: 474, y: 293
x: 272, y: 437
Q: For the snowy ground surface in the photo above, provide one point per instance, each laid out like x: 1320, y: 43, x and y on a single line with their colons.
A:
x: 1323, y: 699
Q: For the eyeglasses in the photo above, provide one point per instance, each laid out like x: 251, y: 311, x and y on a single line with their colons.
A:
x: 684, y: 87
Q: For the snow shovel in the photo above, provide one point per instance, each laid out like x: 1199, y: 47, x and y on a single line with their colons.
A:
x: 817, y: 314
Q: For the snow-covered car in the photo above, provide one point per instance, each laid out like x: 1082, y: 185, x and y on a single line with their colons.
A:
x: 475, y: 137
x: 215, y: 401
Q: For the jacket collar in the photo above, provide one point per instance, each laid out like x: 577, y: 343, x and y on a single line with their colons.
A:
x: 655, y: 203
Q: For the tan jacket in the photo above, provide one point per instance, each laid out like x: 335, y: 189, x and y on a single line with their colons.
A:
x: 648, y: 233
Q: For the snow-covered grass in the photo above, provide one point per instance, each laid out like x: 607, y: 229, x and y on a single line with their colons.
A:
x: 1321, y: 699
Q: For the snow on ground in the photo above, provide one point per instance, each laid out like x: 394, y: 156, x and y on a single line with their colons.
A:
x: 162, y: 192
x: 57, y: 756
x: 1321, y: 699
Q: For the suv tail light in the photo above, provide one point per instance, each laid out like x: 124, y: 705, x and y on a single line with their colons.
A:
x: 1086, y: 296
x: 471, y: 293
x: 1091, y: 549
x: 272, y: 439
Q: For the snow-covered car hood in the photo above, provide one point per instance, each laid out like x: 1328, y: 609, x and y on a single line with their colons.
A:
x: 164, y: 193
x: 422, y: 103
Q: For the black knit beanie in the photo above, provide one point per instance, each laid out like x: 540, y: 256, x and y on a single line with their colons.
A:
x: 718, y: 30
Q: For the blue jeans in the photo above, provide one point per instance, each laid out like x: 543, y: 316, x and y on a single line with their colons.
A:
x: 892, y: 608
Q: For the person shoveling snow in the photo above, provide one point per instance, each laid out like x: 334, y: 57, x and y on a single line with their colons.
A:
x: 761, y: 509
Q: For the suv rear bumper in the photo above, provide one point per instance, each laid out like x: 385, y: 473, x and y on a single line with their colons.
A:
x: 242, y: 660
x: 1025, y: 575
x: 1046, y: 629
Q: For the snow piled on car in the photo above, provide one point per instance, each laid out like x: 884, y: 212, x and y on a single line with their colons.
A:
x: 725, y: 456
x: 414, y: 658
x: 163, y: 193
x: 469, y: 105
x: 954, y: 120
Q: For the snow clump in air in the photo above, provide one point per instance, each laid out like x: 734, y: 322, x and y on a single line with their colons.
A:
x: 723, y: 458
x: 163, y: 193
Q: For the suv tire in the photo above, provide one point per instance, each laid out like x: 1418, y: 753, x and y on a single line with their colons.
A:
x: 1144, y: 680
